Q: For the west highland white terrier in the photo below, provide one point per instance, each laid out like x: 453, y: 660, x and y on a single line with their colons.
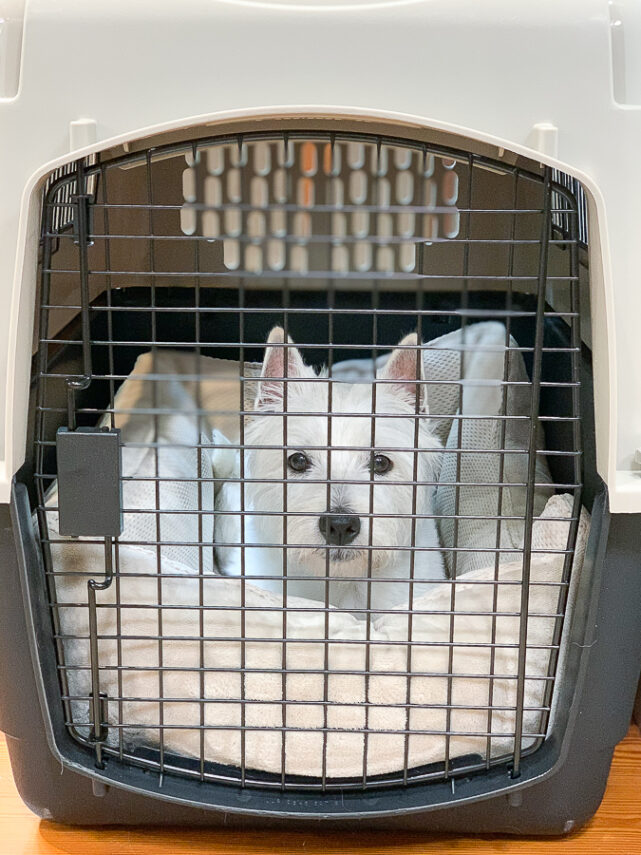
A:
x: 337, y: 502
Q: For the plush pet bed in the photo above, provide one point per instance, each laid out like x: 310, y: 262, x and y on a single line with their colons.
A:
x: 200, y: 610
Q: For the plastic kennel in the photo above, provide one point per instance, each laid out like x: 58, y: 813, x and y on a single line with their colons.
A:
x: 318, y: 445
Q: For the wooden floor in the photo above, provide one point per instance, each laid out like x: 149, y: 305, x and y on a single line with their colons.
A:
x: 615, y: 829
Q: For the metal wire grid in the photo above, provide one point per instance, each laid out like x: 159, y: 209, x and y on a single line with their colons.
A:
x: 560, y: 217
x: 63, y: 215
x: 127, y: 308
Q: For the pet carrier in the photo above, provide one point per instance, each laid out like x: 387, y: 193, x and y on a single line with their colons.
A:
x: 317, y: 444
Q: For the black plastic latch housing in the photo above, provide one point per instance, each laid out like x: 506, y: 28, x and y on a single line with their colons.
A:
x: 89, y: 482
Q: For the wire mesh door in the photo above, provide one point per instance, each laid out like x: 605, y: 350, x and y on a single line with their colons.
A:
x: 337, y: 547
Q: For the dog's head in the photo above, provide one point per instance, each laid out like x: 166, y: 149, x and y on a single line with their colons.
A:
x: 344, y: 465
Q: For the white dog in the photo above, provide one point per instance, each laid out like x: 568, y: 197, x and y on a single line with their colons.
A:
x: 343, y: 515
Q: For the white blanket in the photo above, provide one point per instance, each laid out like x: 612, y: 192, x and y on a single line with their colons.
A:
x: 189, y: 588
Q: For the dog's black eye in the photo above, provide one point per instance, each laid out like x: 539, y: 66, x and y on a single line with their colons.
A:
x: 299, y: 462
x: 381, y: 464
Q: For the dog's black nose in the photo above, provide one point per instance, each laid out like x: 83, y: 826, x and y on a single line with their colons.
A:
x: 339, y: 529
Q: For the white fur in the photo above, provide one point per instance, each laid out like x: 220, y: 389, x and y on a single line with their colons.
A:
x: 306, y: 427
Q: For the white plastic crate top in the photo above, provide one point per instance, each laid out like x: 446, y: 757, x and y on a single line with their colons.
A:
x: 560, y: 82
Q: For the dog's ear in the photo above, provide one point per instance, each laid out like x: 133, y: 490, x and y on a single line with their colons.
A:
x: 405, y: 366
x: 280, y: 361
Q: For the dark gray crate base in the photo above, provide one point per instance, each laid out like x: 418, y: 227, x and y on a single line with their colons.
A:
x: 555, y: 807
x: 561, y: 784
